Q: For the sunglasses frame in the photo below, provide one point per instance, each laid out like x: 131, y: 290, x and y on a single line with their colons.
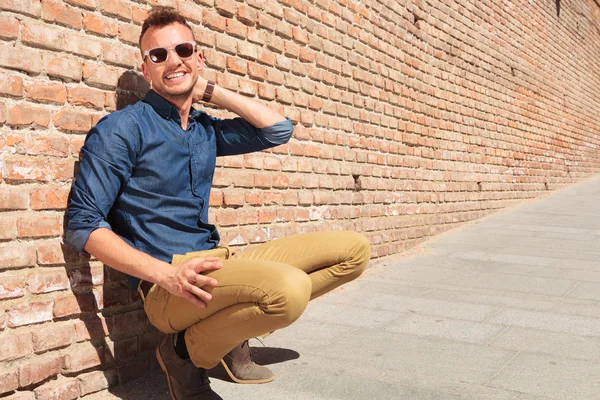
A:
x: 147, y: 52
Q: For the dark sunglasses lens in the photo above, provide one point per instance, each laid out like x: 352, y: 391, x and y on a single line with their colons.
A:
x: 158, y: 55
x: 184, y: 50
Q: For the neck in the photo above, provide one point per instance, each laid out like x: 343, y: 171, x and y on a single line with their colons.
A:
x: 183, y: 104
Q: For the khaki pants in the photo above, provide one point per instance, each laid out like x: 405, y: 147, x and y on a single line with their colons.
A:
x: 259, y: 291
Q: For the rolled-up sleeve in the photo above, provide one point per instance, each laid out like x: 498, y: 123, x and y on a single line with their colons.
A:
x: 238, y: 136
x: 106, y: 163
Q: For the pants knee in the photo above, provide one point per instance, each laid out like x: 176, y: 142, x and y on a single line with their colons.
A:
x: 291, y: 299
x: 360, y: 254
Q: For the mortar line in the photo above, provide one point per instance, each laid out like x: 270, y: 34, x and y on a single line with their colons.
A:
x: 504, y: 366
x: 496, y: 337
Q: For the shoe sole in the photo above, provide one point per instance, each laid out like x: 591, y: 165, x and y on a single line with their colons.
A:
x: 164, y: 368
x: 247, y: 381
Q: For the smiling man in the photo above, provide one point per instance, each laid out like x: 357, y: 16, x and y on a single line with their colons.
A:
x: 140, y: 205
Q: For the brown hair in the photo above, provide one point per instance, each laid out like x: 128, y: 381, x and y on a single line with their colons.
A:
x: 160, y: 16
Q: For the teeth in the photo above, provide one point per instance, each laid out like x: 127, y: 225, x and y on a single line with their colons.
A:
x: 175, y: 75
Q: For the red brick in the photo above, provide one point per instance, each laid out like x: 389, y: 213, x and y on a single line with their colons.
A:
x: 9, y: 381
x: 83, y: 356
x: 41, y: 35
x: 53, y: 336
x: 16, y: 345
x: 39, y: 369
x: 45, y: 281
x: 63, y: 67
x: 226, y: 44
x: 97, y: 380
x: 11, y: 85
x: 83, y: 45
x: 129, y: 33
x: 237, y: 66
x: 9, y: 27
x: 12, y: 285
x: 100, y: 75
x: 62, y: 14
x: 49, y: 198
x: 138, y: 14
x: 100, y: 25
x: 30, y: 313
x: 12, y: 198
x: 25, y: 114
x: 39, y: 225
x: 214, y: 21
x: 73, y: 304
x: 27, y: 169
x: 246, y: 15
x: 16, y: 255
x: 226, y: 7
x: 117, y: 8
x: 73, y: 121
x: 94, y: 329
x: 46, y: 92
x: 61, y: 389
x: 56, y: 253
x: 28, y: 60
x: 87, y: 4
x: 29, y: 7
x: 118, y: 54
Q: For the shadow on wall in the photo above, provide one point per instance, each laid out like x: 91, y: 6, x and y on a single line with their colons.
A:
x: 118, y: 341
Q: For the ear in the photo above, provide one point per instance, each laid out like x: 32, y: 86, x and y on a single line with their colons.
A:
x: 200, y: 60
x: 146, y: 72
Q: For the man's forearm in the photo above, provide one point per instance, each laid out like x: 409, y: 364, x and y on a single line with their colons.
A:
x: 110, y: 249
x: 251, y: 110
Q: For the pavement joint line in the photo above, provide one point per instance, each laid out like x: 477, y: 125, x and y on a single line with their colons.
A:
x: 501, y: 369
x: 555, y: 309
x: 564, y: 273
x: 488, y: 344
x: 573, y: 288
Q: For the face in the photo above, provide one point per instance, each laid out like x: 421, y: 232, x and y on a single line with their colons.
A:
x: 175, y: 77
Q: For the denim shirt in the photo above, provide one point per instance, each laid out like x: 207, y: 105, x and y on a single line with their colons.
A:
x: 147, y: 179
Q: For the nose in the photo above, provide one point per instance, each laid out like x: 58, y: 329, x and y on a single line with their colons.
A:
x: 173, y: 58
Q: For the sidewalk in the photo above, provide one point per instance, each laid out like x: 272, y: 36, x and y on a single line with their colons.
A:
x: 504, y: 308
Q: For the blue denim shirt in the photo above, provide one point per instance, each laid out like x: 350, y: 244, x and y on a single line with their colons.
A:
x: 148, y: 180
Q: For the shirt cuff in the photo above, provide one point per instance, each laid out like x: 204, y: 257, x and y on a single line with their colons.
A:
x: 279, y: 132
x: 78, y: 238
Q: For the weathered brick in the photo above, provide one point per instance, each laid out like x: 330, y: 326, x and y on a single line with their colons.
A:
x: 13, y: 198
x: 62, y: 14
x: 53, y: 336
x: 9, y: 381
x: 97, y: 380
x: 100, y: 75
x: 74, y: 121
x: 41, y: 35
x: 61, y: 389
x: 50, y: 92
x: 100, y: 25
x: 30, y: 313
x: 12, y: 285
x: 39, y: 369
x: 28, y: 169
x: 9, y: 27
x: 38, y: 225
x: 16, y: 345
x: 45, y: 281
x: 63, y: 67
x: 28, y: 7
x: 28, y: 60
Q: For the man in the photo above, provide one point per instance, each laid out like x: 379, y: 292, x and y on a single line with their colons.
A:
x: 140, y: 205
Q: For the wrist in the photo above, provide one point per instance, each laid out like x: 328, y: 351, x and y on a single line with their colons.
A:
x: 208, y: 92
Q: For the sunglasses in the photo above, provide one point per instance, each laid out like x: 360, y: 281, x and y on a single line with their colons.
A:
x: 160, y: 54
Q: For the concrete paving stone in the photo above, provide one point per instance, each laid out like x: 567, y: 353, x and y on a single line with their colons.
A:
x: 314, y: 335
x: 420, y: 273
x: 520, y: 251
x: 552, y: 343
x: 406, y: 304
x: 552, y: 245
x: 586, y: 290
x: 587, y: 235
x: 585, y: 310
x: 514, y: 283
x: 453, y: 329
x: 507, y: 257
x: 334, y: 382
x: 549, y: 376
x: 576, y: 325
x: 582, y: 275
x: 468, y: 390
x: 524, y: 269
x: 495, y: 298
x: 357, y: 314
x: 586, y: 265
x: 382, y: 284
x: 415, y: 355
x: 523, y: 396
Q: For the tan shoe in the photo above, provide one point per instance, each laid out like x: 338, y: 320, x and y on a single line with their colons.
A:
x: 241, y: 369
x: 186, y: 382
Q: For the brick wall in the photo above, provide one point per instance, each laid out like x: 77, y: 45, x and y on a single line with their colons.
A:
x: 411, y: 117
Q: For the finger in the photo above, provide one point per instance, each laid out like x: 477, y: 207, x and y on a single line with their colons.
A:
x: 208, y: 265
x: 202, y: 280
x: 194, y: 300
x: 199, y: 293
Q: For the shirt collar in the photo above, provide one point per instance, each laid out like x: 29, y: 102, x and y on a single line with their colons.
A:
x: 165, y: 108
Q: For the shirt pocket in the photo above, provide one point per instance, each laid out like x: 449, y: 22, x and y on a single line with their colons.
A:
x: 203, y: 162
